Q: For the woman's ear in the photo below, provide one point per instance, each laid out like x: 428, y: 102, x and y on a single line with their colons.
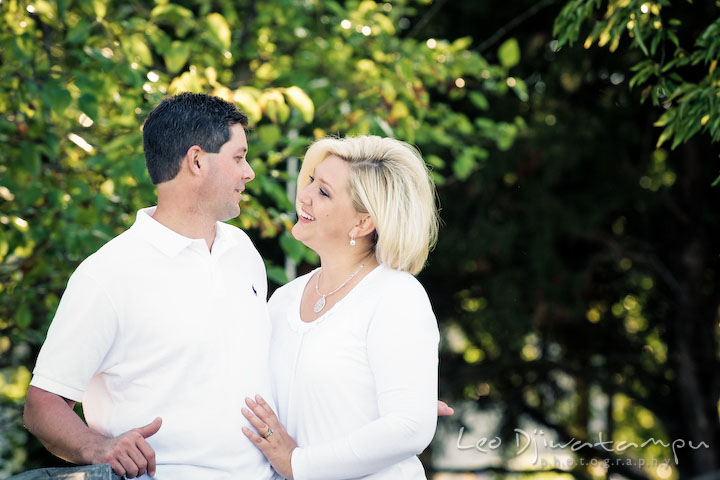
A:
x: 364, y: 227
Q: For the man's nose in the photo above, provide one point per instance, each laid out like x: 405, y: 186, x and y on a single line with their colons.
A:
x: 249, y: 173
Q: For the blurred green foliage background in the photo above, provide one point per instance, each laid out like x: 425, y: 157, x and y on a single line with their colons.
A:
x: 572, y: 143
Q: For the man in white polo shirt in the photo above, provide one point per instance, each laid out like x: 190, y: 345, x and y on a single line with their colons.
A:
x: 163, y: 332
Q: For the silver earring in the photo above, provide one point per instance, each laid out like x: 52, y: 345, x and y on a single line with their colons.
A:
x: 352, y: 241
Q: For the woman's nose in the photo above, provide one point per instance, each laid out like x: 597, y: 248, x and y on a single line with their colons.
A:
x: 304, y: 195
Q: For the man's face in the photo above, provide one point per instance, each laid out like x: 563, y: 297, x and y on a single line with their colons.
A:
x: 229, y: 171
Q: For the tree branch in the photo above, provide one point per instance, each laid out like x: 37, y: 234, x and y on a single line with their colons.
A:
x: 426, y: 18
x: 505, y: 29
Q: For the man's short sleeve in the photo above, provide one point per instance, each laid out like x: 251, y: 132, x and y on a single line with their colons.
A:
x: 79, y: 339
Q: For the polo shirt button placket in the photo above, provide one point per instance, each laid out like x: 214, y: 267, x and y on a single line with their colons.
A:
x: 218, y: 287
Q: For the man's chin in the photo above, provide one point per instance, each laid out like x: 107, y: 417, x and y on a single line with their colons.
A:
x: 229, y: 215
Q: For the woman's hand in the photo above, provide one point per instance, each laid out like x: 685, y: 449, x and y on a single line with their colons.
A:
x: 273, y: 441
x: 444, y: 410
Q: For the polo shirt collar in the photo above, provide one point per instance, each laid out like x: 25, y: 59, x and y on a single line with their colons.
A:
x: 170, y: 242
x: 161, y: 237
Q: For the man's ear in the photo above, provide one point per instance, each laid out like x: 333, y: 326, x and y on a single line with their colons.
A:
x: 194, y: 161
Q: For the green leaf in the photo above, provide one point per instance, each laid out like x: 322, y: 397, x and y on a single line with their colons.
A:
x: 138, y: 168
x: 248, y: 103
x: 275, y: 191
x: 88, y: 103
x: 160, y: 40
x: 479, y: 100
x: 23, y: 317
x: 79, y: 32
x: 655, y: 42
x: 293, y: 248
x: 274, y: 106
x: 663, y: 120
x: 176, y: 56
x: 299, y: 100
x: 31, y: 158
x: 100, y: 8
x: 180, y: 17
x: 187, y: 82
x: 56, y: 96
x: 666, y: 134
x: 715, y: 182
x: 277, y: 274
x: 136, y: 48
x: 639, y: 39
x: 461, y: 44
x: 269, y: 134
x: 171, y: 12
x: 435, y: 161
x: 464, y: 164
x: 520, y: 89
x: 219, y: 30
x: 62, y: 7
x: 283, y: 112
x: 505, y: 136
x: 46, y: 11
x: 509, y: 53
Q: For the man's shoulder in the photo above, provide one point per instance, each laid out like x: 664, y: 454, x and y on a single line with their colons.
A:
x: 235, y: 233
x: 241, y: 240
x: 112, y: 255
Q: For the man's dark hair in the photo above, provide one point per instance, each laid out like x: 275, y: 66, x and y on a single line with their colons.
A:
x: 181, y: 121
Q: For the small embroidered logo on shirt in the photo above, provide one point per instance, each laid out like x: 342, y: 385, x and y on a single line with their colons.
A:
x: 254, y: 291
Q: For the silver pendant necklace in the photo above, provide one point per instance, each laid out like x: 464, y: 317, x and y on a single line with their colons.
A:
x: 320, y: 304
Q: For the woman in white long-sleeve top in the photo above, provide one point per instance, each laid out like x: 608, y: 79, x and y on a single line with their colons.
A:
x: 354, y: 348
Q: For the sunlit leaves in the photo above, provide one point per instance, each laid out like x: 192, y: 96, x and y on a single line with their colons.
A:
x: 219, y: 30
x: 300, y: 100
x: 509, y: 53
x: 56, y: 96
x: 79, y: 78
x: 247, y: 99
x: 175, y: 15
x: 136, y: 49
x: 273, y: 105
x: 691, y: 106
x: 176, y: 56
x: 190, y: 81
x: 479, y: 100
x: 14, y: 382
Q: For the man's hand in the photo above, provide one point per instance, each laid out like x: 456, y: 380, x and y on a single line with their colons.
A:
x: 129, y: 454
x: 52, y: 420
x: 444, y: 410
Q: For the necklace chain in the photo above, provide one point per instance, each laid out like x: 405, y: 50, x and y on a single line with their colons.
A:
x: 320, y: 304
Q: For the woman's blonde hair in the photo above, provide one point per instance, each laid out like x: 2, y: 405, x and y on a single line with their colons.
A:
x: 389, y: 181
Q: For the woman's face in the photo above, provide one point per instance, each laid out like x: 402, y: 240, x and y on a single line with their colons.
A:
x: 326, y: 213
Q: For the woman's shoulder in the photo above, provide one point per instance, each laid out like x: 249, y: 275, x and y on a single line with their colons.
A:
x: 401, y: 302
x: 393, y: 282
x: 391, y: 291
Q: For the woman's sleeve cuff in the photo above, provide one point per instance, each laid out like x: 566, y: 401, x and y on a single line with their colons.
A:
x: 298, y: 463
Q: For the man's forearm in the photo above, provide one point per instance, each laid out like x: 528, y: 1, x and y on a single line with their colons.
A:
x: 52, y: 420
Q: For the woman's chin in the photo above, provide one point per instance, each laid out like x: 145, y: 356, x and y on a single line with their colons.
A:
x: 297, y: 232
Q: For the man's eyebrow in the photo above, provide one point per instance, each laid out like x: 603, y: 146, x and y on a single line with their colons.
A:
x: 241, y: 150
